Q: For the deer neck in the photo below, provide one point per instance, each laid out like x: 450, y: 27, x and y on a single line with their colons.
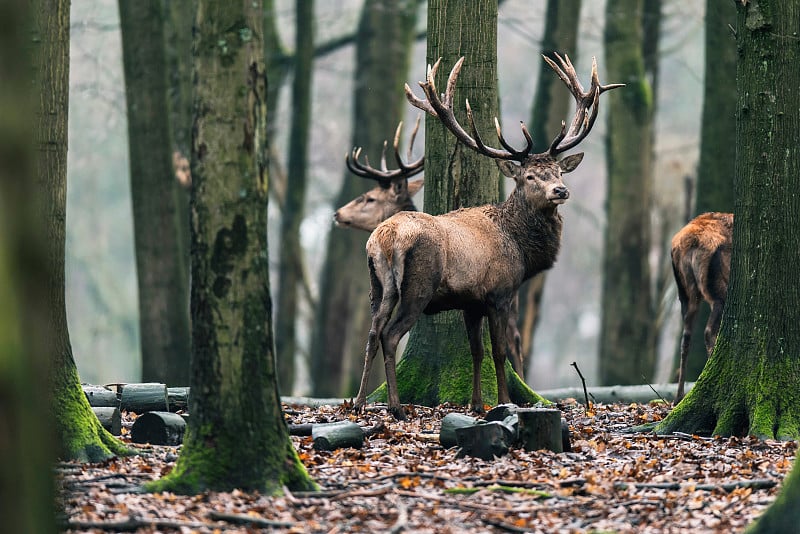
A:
x: 537, y: 232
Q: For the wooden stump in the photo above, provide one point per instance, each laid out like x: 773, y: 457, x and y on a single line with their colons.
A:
x: 110, y: 418
x: 178, y: 398
x: 540, y: 428
x: 158, y: 428
x: 331, y: 436
x: 145, y: 397
x: 450, y: 423
x: 501, y: 411
x: 485, y: 440
x: 100, y: 397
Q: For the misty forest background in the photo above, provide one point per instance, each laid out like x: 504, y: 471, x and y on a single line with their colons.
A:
x: 102, y: 305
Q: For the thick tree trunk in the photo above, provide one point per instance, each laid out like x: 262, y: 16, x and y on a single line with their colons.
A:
x: 383, y: 47
x: 437, y: 363
x: 750, y: 384
x: 290, y: 264
x: 236, y: 436
x: 26, y: 445
x: 158, y: 224
x: 80, y: 435
x: 550, y: 107
x: 627, y: 341
x: 715, y: 171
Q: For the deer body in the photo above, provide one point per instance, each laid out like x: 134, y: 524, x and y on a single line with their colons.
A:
x: 701, y: 263
x: 473, y: 259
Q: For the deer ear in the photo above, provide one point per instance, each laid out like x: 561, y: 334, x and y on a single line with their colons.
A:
x: 570, y: 163
x: 415, y: 186
x: 507, y: 168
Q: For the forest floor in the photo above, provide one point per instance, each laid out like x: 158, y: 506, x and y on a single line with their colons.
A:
x: 402, y: 480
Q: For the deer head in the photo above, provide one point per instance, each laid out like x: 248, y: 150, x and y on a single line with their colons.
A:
x: 393, y: 192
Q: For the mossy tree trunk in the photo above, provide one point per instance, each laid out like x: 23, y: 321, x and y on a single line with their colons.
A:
x: 78, y: 431
x: 437, y: 363
x: 714, y: 189
x: 751, y: 383
x: 26, y: 440
x: 550, y: 106
x: 627, y: 339
x: 236, y: 437
x: 383, y: 49
x: 157, y: 217
x: 290, y: 270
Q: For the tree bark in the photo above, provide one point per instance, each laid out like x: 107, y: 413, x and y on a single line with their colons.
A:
x: 627, y: 339
x: 79, y: 433
x: 550, y: 107
x: 158, y: 225
x: 383, y: 48
x: 26, y: 438
x: 290, y: 263
x: 750, y: 383
x: 437, y: 363
x: 236, y: 436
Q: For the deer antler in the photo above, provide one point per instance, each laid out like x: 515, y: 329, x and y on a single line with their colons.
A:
x: 384, y: 175
x: 443, y: 108
x: 587, y: 103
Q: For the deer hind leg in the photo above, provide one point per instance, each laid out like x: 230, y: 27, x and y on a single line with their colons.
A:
x: 689, y: 297
x: 716, y: 291
x: 712, y: 326
x: 474, y: 324
x: 383, y: 298
x: 498, y: 322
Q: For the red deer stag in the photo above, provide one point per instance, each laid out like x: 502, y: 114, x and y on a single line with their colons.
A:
x: 392, y: 195
x: 701, y: 263
x: 473, y: 259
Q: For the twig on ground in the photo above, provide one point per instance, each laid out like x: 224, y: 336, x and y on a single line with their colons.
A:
x: 725, y: 486
x: 654, y: 390
x: 402, y: 514
x: 583, y: 381
x: 242, y: 519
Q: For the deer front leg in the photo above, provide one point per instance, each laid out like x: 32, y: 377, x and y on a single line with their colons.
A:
x: 474, y: 324
x: 498, y: 322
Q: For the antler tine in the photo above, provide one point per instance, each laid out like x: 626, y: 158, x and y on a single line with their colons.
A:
x: 384, y: 168
x: 413, y: 167
x: 442, y: 107
x: 587, y: 102
x: 384, y: 175
x: 521, y: 153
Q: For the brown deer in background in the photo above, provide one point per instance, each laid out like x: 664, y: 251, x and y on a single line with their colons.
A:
x: 701, y: 263
x: 473, y: 259
x: 393, y: 192
x: 393, y: 195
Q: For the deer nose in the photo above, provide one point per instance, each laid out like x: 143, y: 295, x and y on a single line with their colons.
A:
x: 561, y: 191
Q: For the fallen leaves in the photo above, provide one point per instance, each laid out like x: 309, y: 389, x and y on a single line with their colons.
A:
x: 402, y: 480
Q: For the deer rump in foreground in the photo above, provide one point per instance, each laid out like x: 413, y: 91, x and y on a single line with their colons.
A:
x: 473, y: 259
x: 701, y: 263
x: 393, y: 194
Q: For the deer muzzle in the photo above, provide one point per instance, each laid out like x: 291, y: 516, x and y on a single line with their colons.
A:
x: 558, y: 195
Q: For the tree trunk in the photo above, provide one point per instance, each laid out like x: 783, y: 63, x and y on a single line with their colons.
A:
x: 714, y: 190
x: 161, y: 271
x: 627, y: 344
x: 236, y: 436
x: 749, y: 385
x: 550, y: 107
x: 26, y: 442
x: 79, y: 433
x: 383, y: 47
x: 437, y: 363
x: 290, y: 264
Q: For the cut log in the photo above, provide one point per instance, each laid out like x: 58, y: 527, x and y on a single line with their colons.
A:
x: 178, y: 398
x: 540, y: 428
x: 158, y: 428
x: 485, y: 440
x: 303, y: 429
x: 331, y: 436
x: 100, y: 397
x: 501, y: 411
x: 110, y: 418
x: 144, y: 397
x: 450, y: 423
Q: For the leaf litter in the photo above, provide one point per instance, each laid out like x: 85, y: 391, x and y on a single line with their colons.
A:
x: 402, y: 480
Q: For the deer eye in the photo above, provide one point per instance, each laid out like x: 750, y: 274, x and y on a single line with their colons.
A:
x: 370, y: 199
x: 530, y: 177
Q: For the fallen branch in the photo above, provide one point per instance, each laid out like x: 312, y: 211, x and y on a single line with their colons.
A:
x: 402, y: 515
x: 243, y: 519
x: 133, y: 523
x: 725, y: 486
